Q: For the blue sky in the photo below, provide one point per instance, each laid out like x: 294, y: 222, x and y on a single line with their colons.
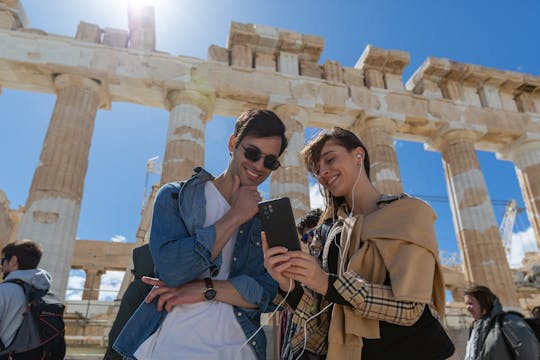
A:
x: 497, y: 34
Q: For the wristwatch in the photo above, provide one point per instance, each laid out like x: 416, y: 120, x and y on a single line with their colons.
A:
x: 209, y: 293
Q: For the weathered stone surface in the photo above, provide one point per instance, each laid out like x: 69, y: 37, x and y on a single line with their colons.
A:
x: 219, y: 54
x: 115, y: 37
x: 88, y: 32
x: 332, y: 71
x: 311, y: 69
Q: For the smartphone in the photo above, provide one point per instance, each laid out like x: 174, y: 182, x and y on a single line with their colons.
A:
x: 278, y: 223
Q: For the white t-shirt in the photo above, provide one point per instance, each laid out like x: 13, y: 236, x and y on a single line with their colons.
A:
x: 207, y: 330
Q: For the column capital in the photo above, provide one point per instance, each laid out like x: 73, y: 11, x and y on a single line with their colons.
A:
x: 203, y: 99
x: 292, y: 111
x: 62, y: 81
x: 450, y: 134
x: 386, y: 124
x: 524, y: 144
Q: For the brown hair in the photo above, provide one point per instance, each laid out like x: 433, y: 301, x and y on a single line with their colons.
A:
x: 311, y: 154
x: 28, y: 253
x: 484, y: 296
x: 259, y: 123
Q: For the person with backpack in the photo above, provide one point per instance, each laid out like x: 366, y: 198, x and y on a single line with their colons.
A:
x: 23, y: 306
x: 496, y: 334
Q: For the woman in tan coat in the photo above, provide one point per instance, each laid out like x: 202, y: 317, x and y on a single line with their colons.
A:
x: 374, y: 290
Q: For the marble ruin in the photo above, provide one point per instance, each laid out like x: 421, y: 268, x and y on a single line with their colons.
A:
x: 451, y: 107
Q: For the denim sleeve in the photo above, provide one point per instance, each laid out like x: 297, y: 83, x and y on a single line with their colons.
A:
x: 179, y: 257
x: 259, y: 290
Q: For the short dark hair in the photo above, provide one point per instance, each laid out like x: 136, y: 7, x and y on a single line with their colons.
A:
x: 260, y: 123
x: 28, y: 253
x: 483, y: 294
x: 309, y: 220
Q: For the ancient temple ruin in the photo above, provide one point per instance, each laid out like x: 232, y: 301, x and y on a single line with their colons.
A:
x: 451, y: 107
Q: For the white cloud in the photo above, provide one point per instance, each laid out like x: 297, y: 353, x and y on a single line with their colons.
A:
x: 119, y: 238
x: 315, y: 197
x: 398, y: 144
x: 75, y: 285
x: 522, y: 242
x: 110, y: 284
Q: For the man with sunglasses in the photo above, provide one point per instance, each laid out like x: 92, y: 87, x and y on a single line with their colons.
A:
x: 206, y: 245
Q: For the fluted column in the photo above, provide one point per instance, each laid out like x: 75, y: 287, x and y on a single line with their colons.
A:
x: 526, y: 158
x: 291, y: 178
x: 189, y: 112
x: 54, y: 201
x: 92, y: 283
x: 484, y: 259
x: 377, y: 134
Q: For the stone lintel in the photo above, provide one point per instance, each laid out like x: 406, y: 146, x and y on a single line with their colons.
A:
x: 104, y: 255
x: 386, y: 61
x: 131, y: 78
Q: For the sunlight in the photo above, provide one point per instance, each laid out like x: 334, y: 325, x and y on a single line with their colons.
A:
x: 139, y: 6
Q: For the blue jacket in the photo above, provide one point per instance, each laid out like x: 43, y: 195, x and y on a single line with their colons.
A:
x: 181, y: 248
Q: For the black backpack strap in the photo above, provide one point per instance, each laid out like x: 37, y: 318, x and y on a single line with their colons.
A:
x: 26, y: 287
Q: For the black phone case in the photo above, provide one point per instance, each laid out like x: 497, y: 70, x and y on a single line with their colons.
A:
x: 278, y: 223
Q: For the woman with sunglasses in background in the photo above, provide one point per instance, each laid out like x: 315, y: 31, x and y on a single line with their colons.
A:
x: 378, y: 283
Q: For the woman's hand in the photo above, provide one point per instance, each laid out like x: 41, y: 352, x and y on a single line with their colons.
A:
x: 305, y: 268
x: 276, y: 260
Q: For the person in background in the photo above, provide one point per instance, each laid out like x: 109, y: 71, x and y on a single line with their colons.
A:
x: 307, y: 228
x: 487, y: 338
x: 20, y: 261
x: 534, y: 321
x: 133, y: 296
x: 377, y: 283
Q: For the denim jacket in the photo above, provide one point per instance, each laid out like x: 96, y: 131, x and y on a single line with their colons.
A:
x: 181, y: 249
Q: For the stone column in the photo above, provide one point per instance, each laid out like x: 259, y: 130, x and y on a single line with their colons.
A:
x: 526, y: 158
x: 377, y: 134
x: 92, y: 283
x: 291, y: 178
x: 54, y: 200
x: 189, y: 112
x: 484, y: 258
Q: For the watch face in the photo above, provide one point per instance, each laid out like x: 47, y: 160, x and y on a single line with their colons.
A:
x: 210, y: 294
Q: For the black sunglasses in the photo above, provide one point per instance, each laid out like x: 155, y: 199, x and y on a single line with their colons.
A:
x: 253, y: 154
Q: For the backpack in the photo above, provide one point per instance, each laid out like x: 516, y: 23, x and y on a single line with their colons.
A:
x: 518, y: 336
x: 42, y: 325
